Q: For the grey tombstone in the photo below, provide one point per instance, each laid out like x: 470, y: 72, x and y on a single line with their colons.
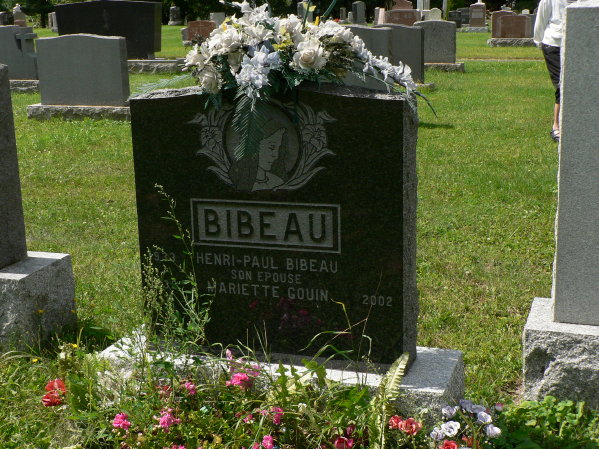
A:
x: 12, y: 232
x: 83, y: 69
x: 350, y: 17
x: 439, y: 41
x: 526, y: 11
x: 303, y: 11
x: 52, y: 22
x: 174, y: 16
x: 561, y: 336
x: 343, y: 13
x: 495, y: 22
x: 17, y: 52
x: 359, y: 12
x: 29, y: 281
x: 218, y: 18
x: 577, y: 253
x: 6, y: 18
x: 432, y: 14
x: 478, y: 13
x: 20, y: 19
x: 456, y: 17
x: 407, y: 46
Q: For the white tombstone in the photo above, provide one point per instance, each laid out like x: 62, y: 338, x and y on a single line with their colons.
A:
x: 561, y: 336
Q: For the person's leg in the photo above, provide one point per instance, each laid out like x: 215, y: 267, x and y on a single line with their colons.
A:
x: 553, y: 62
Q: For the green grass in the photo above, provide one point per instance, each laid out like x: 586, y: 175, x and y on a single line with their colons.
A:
x: 474, y: 46
x: 487, y: 196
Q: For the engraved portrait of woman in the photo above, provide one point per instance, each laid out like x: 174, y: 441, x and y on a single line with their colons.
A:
x: 277, y: 154
x: 268, y: 154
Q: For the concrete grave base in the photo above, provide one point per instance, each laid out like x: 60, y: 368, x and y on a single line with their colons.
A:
x: 445, y: 66
x: 24, y: 85
x: 435, y: 379
x: 37, y: 299
x: 560, y: 359
x: 67, y: 112
x: 511, y: 42
x: 155, y: 65
x: 467, y: 29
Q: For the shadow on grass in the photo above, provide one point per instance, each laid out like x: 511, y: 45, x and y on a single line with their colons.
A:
x: 435, y: 125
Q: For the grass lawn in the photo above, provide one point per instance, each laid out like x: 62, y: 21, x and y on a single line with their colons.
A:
x: 487, y: 196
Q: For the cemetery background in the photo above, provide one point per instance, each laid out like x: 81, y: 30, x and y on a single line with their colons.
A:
x: 487, y: 183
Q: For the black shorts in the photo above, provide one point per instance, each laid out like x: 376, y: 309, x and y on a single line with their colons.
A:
x: 553, y: 62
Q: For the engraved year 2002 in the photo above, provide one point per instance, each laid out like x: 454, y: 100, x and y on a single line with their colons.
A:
x: 377, y: 300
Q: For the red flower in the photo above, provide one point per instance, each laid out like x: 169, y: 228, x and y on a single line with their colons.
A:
x: 343, y: 443
x: 395, y: 422
x: 56, y: 385
x: 410, y: 426
x: 52, y: 399
x: 449, y: 444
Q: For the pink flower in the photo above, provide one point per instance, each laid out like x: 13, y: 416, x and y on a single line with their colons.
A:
x: 121, y: 421
x: 410, y: 426
x: 249, y: 419
x: 349, y: 430
x: 395, y: 422
x: 343, y: 443
x: 241, y: 380
x: 499, y: 407
x: 167, y: 419
x: 178, y: 446
x: 256, y: 445
x: 190, y: 387
x: 277, y: 415
x: 268, y: 442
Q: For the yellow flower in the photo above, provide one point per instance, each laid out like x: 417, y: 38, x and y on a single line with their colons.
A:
x: 35, y: 360
x: 40, y: 311
x: 317, y: 21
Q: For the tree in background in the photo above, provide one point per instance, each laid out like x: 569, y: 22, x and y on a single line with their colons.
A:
x: 39, y: 8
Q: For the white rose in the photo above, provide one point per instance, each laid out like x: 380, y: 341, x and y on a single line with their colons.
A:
x: 450, y: 428
x: 310, y: 55
x: 492, y: 431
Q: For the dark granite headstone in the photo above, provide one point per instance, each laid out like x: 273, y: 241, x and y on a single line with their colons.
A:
x: 455, y: 16
x: 439, y: 41
x: 12, y: 229
x: 137, y: 21
x: 325, y: 212
x: 7, y: 18
x: 464, y: 15
x: 407, y: 45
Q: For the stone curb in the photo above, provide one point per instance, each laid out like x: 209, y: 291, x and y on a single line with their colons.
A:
x: 67, y: 112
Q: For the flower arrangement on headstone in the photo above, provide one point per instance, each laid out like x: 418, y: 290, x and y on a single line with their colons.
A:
x: 255, y: 57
